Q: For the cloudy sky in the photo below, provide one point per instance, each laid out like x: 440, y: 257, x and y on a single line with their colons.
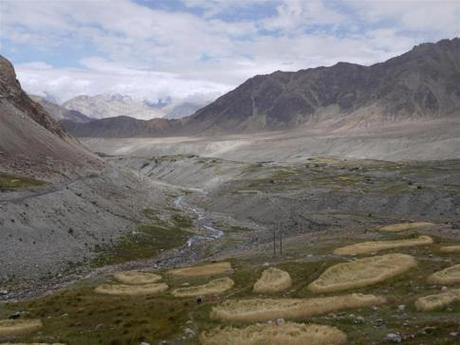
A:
x: 198, y: 49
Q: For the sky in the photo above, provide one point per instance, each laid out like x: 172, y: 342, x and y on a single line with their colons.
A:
x: 196, y: 50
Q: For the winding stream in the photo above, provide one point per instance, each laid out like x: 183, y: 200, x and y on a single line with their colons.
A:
x: 205, y: 224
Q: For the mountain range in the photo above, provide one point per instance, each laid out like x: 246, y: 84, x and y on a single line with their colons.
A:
x: 102, y: 106
x: 114, y: 105
x: 421, y: 84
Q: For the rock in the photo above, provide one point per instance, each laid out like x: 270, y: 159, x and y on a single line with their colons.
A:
x: 144, y: 343
x: 428, y: 330
x: 453, y: 334
x: 444, y: 288
x: 280, y: 322
x: 401, y: 307
x: 393, y: 338
x: 3, y: 292
x: 189, y: 333
x: 15, y: 316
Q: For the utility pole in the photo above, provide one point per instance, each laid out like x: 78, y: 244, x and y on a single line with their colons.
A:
x: 280, y: 232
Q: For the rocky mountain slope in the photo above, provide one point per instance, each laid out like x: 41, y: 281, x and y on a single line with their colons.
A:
x: 182, y: 110
x: 424, y: 83
x: 59, y: 203
x: 32, y: 143
x: 58, y: 112
x: 120, y: 127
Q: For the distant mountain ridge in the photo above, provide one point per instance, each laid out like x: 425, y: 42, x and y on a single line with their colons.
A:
x: 58, y: 112
x: 183, y: 110
x: 114, y: 105
x: 422, y: 84
x: 120, y: 127
x: 102, y: 106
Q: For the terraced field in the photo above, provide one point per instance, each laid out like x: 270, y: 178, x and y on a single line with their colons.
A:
x: 78, y: 314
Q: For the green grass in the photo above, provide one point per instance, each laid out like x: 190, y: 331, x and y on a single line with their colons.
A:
x: 151, y: 214
x: 77, y: 315
x: 12, y: 182
x: 182, y: 220
x: 147, y: 241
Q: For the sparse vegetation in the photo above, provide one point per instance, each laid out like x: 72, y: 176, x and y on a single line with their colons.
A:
x: 12, y: 182
x: 362, y: 272
x: 182, y: 220
x: 376, y: 246
x: 213, y: 287
x: 449, y: 275
x: 285, y: 334
x: 273, y: 280
x: 19, y: 327
x: 131, y: 290
x: 147, y: 241
x: 406, y: 226
x: 136, y: 277
x: 203, y: 270
x: 128, y: 319
x: 257, y: 309
x: 450, y: 249
x: 437, y: 301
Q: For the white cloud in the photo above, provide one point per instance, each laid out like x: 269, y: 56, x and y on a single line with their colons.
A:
x: 214, y: 7
x: 294, y: 15
x: 102, y: 77
x: 124, y: 47
x: 433, y: 17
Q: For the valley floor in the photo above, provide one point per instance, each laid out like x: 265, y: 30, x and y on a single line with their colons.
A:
x: 213, y: 209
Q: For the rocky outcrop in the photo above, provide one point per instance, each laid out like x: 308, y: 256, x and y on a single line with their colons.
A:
x: 10, y: 91
x: 32, y: 143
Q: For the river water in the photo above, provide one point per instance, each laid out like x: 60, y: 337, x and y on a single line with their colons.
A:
x: 204, y: 223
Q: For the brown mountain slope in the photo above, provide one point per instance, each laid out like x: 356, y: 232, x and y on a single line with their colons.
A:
x: 121, y: 127
x: 421, y: 84
x: 31, y: 142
